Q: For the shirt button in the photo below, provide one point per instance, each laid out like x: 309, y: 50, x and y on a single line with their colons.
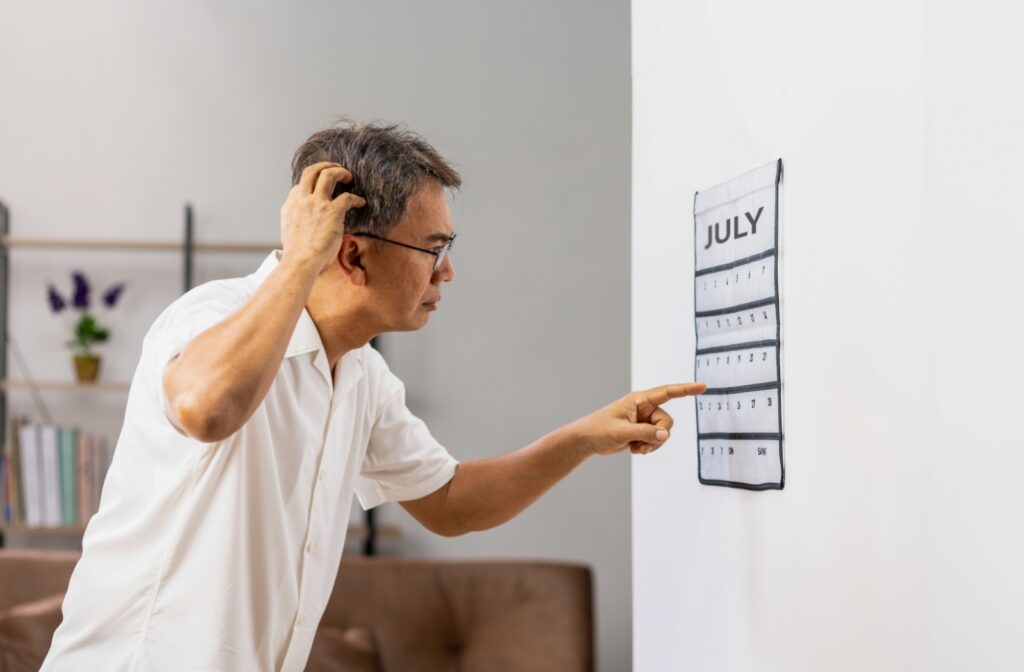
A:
x: 311, y: 547
x: 320, y: 476
x: 299, y: 620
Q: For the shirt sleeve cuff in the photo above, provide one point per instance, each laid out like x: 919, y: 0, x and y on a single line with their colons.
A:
x: 370, y: 493
x: 162, y: 359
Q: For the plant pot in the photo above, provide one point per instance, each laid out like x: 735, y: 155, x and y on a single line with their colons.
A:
x: 87, y: 368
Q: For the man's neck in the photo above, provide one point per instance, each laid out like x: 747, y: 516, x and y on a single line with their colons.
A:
x: 341, y: 328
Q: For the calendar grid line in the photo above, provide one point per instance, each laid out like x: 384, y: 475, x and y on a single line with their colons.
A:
x: 740, y: 389
x: 740, y: 436
x: 736, y: 264
x: 741, y: 307
x: 750, y: 345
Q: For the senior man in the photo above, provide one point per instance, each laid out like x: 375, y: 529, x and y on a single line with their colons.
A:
x: 258, y: 408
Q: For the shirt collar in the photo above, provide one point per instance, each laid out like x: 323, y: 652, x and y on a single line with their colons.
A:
x: 305, y: 338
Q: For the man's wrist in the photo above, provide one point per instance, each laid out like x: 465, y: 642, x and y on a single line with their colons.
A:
x: 301, y: 268
x: 576, y: 441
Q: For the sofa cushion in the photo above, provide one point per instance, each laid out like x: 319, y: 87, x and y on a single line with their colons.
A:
x: 26, y: 631
x: 471, y: 616
x: 343, y: 650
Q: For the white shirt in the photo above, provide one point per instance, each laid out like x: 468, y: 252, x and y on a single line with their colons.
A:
x: 222, y: 556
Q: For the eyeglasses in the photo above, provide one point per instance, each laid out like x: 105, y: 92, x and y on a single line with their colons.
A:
x: 439, y: 255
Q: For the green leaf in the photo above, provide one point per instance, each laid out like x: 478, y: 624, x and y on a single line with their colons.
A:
x: 88, y: 332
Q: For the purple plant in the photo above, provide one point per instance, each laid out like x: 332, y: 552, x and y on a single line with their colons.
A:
x: 57, y: 303
x: 81, y: 296
x: 111, y: 296
x: 87, y: 331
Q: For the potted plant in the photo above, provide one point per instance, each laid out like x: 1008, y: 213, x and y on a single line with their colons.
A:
x: 86, y: 330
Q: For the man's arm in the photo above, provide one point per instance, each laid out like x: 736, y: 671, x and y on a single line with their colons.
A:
x: 486, y: 493
x: 216, y: 383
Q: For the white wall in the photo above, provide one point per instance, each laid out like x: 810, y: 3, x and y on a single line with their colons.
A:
x: 115, y: 113
x: 895, y: 544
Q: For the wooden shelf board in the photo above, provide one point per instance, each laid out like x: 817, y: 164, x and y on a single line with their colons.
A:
x: 355, y: 532
x: 11, y: 241
x: 359, y: 532
x: 25, y: 529
x: 114, y: 386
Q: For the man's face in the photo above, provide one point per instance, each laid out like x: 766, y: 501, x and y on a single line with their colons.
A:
x: 408, y: 287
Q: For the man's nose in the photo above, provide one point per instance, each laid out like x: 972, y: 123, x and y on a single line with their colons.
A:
x: 447, y: 271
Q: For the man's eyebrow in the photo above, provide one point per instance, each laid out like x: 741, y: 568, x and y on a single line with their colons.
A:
x: 438, y: 237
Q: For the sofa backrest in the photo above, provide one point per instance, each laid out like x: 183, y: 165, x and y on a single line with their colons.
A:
x: 27, y: 575
x: 493, y: 616
x: 420, y: 615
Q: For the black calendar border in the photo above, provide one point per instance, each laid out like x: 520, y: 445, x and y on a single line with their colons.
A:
x: 743, y: 389
x: 778, y: 323
x: 778, y: 353
x: 749, y: 345
x: 738, y: 308
x: 732, y: 264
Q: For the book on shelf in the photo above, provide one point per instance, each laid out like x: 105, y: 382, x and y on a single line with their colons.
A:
x: 31, y: 474
x: 5, y: 506
x: 13, y: 498
x: 50, y: 481
x: 52, y: 476
x: 68, y: 484
x: 86, y: 476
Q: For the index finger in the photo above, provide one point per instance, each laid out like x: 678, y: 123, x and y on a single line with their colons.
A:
x: 659, y: 395
x: 329, y: 179
x: 310, y: 174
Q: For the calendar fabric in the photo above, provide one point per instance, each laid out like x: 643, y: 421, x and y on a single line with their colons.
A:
x: 738, y: 325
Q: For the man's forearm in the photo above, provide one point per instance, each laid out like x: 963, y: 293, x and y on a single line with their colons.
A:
x: 486, y: 493
x: 220, y: 379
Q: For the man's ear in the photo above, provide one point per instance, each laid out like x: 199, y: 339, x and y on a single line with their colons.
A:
x: 350, y: 260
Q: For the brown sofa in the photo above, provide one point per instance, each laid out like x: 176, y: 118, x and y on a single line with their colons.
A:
x: 384, y: 614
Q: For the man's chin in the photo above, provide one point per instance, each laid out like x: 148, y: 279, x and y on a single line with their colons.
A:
x: 415, y: 322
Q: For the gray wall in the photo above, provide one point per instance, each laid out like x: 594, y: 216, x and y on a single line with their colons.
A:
x: 114, y: 114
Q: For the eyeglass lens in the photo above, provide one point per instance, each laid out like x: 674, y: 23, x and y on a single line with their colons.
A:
x: 441, y: 255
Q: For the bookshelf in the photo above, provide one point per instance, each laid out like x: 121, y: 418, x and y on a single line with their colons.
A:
x: 188, y: 247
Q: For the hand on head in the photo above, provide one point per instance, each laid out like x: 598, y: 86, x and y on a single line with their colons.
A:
x: 312, y: 222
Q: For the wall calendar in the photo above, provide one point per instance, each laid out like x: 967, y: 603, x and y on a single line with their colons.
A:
x: 738, y: 325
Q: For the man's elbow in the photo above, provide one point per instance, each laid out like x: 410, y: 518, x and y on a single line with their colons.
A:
x: 459, y: 525
x: 201, y: 422
x: 446, y: 523
x: 462, y: 530
x: 447, y: 528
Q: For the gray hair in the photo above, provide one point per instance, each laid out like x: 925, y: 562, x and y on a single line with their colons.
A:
x: 388, y: 164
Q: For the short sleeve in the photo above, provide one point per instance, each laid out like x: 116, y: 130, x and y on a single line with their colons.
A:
x: 186, y: 318
x: 403, y: 461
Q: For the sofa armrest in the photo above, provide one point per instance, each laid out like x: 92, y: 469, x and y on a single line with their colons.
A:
x: 26, y: 632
